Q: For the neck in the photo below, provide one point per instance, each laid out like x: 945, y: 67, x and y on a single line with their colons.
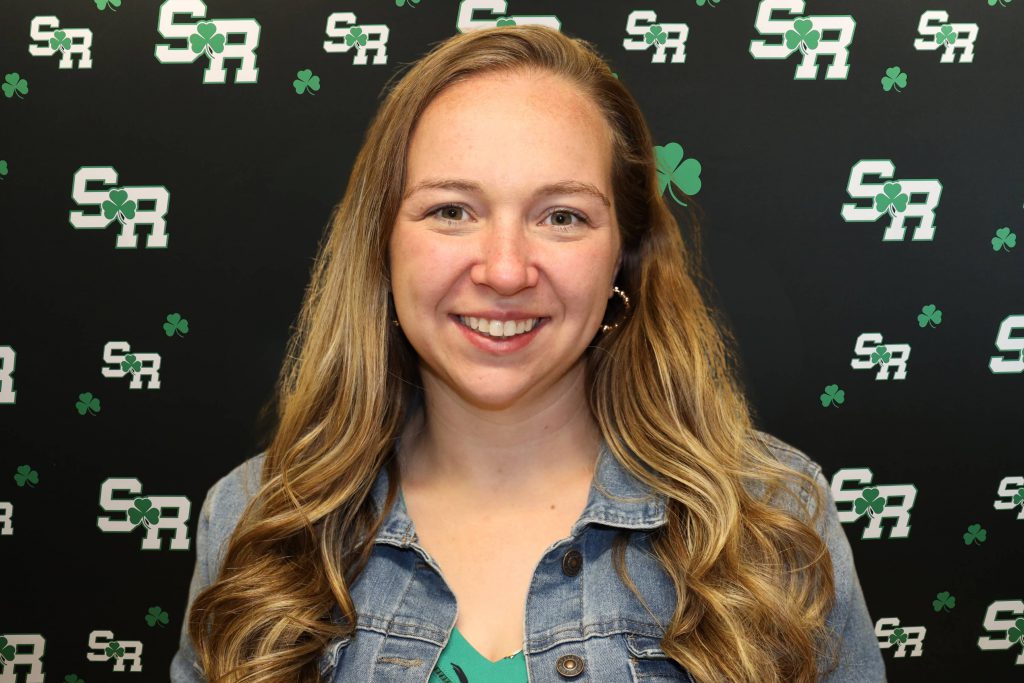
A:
x: 495, y: 457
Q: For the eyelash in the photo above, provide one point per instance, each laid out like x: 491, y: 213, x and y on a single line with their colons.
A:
x: 560, y: 228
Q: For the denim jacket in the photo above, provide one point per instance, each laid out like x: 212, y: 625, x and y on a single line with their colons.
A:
x: 581, y: 622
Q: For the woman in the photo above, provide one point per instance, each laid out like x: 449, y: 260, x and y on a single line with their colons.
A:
x: 479, y: 469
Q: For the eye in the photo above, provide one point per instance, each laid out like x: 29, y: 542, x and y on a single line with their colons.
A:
x: 449, y: 209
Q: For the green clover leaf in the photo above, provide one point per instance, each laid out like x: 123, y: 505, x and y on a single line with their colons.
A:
x: 207, y: 38
x: 114, y: 649
x: 14, y: 84
x: 1015, y: 632
x: 656, y: 34
x: 880, y: 355
x: 157, y: 616
x: 975, y: 534
x: 1004, y: 239
x: 898, y: 636
x: 143, y: 513
x: 833, y: 396
x: 355, y: 35
x: 175, y: 323
x: 869, y: 502
x: 946, y: 34
x: 60, y: 41
x: 685, y: 175
x: 102, y: 4
x: 87, y: 403
x: 118, y: 205
x: 709, y: 3
x: 1004, y: 3
x: 3, y: 167
x: 505, y: 21
x: 801, y: 36
x: 305, y: 80
x: 894, y: 78
x: 400, y: 3
x: 943, y: 601
x: 131, y: 364
x: 73, y: 678
x: 26, y: 475
x: 1018, y: 497
x: 929, y: 315
x: 892, y: 198
x: 7, y: 650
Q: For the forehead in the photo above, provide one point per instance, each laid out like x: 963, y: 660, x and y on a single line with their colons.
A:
x: 502, y: 127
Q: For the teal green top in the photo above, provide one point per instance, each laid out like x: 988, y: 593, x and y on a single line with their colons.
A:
x: 461, y: 663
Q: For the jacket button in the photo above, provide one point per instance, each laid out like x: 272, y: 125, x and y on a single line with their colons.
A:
x: 569, y: 665
x: 572, y: 561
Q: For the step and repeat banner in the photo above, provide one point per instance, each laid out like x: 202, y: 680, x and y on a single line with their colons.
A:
x: 167, y: 169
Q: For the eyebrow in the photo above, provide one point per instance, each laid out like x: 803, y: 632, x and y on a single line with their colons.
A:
x: 561, y: 187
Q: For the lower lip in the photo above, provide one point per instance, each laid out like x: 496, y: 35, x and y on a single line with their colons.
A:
x: 496, y: 345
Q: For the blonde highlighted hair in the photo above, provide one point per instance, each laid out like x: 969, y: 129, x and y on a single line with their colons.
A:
x: 754, y: 583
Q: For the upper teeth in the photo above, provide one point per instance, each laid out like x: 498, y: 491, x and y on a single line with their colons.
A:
x: 498, y: 328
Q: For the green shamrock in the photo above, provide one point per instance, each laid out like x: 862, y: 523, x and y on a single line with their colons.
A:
x: 833, y: 396
x: 175, y: 323
x: 157, y: 616
x: 943, y: 601
x: 118, y: 205
x: 1016, y: 631
x: 709, y: 3
x: 1004, y: 240
x: 306, y: 80
x: 505, y: 21
x: 801, y: 36
x: 26, y: 475
x: 73, y: 678
x: 1018, y: 497
x: 7, y: 650
x: 131, y: 364
x: 892, y: 197
x: 13, y: 83
x: 87, y: 403
x: 880, y: 355
x: 60, y: 41
x: 207, y: 38
x: 114, y: 649
x: 656, y: 34
x: 946, y: 34
x: 685, y: 175
x: 975, y: 534
x: 102, y: 4
x: 143, y: 513
x: 928, y: 315
x: 894, y: 78
x: 898, y: 636
x: 400, y: 3
x: 869, y: 502
x: 3, y: 167
x: 1004, y: 3
x: 355, y: 35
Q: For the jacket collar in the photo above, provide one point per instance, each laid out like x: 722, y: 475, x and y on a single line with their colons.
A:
x: 616, y: 499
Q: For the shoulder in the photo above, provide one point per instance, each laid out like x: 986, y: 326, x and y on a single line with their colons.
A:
x: 225, y: 501
x: 794, y: 458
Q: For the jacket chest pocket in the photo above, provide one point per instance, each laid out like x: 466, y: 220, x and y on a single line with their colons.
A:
x: 648, y: 663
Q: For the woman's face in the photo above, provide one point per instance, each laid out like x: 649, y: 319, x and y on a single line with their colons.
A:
x: 484, y: 230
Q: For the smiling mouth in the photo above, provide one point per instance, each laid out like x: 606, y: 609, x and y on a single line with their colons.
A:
x: 536, y: 323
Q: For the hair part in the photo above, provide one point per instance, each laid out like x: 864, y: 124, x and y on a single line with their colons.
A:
x: 753, y: 582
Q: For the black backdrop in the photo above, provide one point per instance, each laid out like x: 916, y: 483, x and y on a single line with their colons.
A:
x: 246, y: 173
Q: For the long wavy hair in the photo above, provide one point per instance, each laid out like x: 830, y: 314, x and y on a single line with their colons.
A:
x: 753, y: 581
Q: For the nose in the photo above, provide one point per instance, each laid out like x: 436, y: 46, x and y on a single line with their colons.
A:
x: 506, y: 264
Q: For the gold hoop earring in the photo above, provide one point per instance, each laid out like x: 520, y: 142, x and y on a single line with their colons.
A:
x: 625, y: 301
